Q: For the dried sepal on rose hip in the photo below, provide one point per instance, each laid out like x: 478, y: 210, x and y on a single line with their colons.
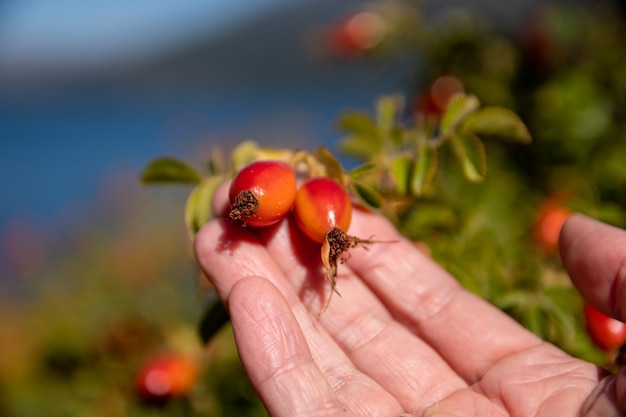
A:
x: 323, y: 211
x: 262, y: 193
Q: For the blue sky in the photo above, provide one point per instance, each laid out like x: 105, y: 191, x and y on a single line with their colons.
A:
x: 59, y: 35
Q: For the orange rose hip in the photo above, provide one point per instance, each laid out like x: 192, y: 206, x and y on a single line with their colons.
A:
x: 322, y: 204
x: 323, y: 211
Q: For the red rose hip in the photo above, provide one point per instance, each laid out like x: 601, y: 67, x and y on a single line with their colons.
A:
x: 262, y: 193
x: 606, y: 332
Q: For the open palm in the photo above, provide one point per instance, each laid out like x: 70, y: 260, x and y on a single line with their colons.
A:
x: 404, y: 339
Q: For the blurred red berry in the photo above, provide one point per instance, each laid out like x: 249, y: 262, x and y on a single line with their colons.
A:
x: 548, y: 223
x: 165, y: 377
x: 359, y: 33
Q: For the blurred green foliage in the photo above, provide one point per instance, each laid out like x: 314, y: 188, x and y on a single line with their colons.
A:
x: 122, y: 286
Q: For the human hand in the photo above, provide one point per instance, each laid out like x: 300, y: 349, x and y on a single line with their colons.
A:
x: 594, y: 254
x: 404, y: 339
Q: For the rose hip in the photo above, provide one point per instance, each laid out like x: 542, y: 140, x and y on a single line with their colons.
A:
x: 262, y: 193
x: 323, y: 211
x: 321, y: 204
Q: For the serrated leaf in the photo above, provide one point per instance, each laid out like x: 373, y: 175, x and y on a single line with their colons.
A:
x: 332, y: 166
x: 198, y: 207
x: 470, y: 152
x: 368, y: 196
x: 424, y: 169
x: 459, y: 107
x: 497, y: 122
x: 214, y: 318
x: 168, y: 170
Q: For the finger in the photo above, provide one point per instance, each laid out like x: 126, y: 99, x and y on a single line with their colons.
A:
x: 466, y: 403
x: 228, y: 252
x: 220, y: 203
x: 608, y: 399
x: 224, y: 239
x: 276, y: 355
x: 470, y: 334
x: 375, y: 343
x: 594, y: 255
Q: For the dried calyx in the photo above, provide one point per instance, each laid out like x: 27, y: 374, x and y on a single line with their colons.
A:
x: 245, y: 205
x: 336, y: 242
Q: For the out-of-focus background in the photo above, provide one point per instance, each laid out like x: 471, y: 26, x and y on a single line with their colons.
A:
x: 90, y: 88
x: 96, y: 271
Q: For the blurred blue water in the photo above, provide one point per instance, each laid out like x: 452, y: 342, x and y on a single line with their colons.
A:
x: 63, y: 130
x: 60, y: 134
x: 59, y: 147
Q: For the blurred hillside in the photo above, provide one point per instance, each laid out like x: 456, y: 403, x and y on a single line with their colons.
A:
x: 263, y: 77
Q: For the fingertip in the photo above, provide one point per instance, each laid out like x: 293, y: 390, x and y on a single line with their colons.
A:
x: 205, y: 241
x: 204, y: 237
x: 568, y: 231
x: 258, y: 309
x: 202, y: 240
x: 593, y: 254
x: 250, y: 290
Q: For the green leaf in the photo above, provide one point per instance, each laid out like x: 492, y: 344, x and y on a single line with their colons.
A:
x: 368, y: 196
x: 361, y: 170
x: 243, y: 154
x: 533, y: 320
x: 400, y: 171
x: 217, y: 162
x: 387, y: 107
x: 168, y: 170
x: 459, y: 107
x: 359, y: 146
x: 362, y: 136
x: 470, y: 152
x: 424, y: 169
x: 564, y: 322
x: 198, y: 207
x: 358, y: 123
x: 514, y: 300
x: 330, y: 163
x: 213, y: 319
x: 497, y: 122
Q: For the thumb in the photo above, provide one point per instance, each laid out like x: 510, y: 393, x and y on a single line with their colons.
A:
x: 594, y: 255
